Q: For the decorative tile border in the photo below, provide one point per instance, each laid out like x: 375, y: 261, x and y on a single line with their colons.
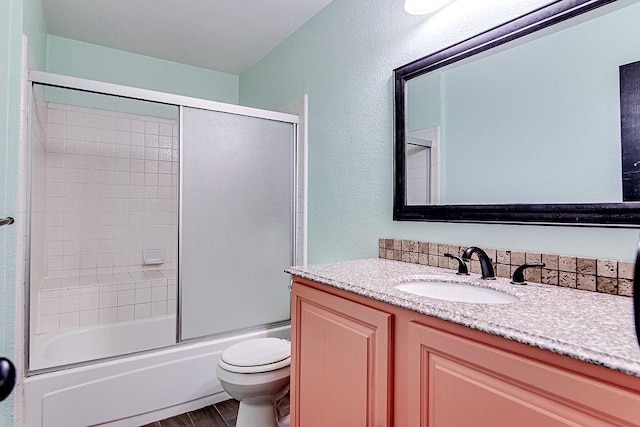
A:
x: 589, y: 274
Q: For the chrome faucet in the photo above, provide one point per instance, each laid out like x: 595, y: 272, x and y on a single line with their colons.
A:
x: 485, y: 262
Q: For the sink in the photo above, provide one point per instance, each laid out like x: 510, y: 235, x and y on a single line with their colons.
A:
x: 456, y: 292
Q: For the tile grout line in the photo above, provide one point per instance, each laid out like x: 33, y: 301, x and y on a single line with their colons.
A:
x: 219, y: 413
x: 190, y: 419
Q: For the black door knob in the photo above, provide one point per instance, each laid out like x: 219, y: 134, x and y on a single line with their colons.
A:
x: 7, y: 378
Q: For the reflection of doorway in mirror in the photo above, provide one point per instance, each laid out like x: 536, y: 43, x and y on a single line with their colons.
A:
x: 423, y: 171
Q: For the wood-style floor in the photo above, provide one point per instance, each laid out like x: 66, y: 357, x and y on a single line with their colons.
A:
x: 221, y: 414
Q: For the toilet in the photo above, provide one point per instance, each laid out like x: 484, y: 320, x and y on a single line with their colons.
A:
x: 256, y: 373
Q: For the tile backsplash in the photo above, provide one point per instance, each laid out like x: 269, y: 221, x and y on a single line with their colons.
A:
x: 590, y: 274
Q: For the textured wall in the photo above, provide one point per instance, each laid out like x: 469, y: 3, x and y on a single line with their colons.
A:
x: 18, y: 18
x: 89, y: 61
x: 9, y: 95
x: 343, y: 58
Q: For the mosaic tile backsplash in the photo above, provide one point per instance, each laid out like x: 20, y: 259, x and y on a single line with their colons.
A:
x: 589, y: 274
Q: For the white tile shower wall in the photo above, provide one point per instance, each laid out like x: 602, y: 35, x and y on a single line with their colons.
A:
x: 423, y: 167
x: 38, y: 200
x: 107, y: 298
x: 299, y: 107
x: 111, y: 190
x: 417, y: 170
x: 20, y: 228
x: 301, y: 253
x: 38, y: 193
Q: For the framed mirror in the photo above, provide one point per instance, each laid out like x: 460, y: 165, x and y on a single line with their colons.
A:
x: 536, y: 121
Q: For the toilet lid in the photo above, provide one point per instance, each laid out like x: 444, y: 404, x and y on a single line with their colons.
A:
x: 257, y: 352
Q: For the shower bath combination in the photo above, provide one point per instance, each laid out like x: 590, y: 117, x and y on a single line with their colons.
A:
x: 144, y: 211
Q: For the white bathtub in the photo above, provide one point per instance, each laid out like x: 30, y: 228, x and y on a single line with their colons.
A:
x: 96, y: 342
x: 129, y: 391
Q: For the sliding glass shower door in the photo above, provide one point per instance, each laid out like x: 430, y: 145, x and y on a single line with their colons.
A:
x: 103, y: 226
x: 142, y: 204
x: 237, y: 221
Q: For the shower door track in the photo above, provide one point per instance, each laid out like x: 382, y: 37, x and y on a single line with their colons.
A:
x: 151, y: 95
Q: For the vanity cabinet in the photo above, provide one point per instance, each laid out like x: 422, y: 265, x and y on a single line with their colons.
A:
x: 460, y: 382
x: 341, y: 361
x: 361, y: 362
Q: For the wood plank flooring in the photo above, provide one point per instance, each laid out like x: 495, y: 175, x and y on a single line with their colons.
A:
x: 221, y: 414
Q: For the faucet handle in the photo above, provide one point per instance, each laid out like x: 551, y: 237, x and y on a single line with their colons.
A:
x: 518, y: 275
x: 463, y: 270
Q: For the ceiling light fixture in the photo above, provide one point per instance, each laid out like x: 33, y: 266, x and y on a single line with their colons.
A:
x: 424, y: 7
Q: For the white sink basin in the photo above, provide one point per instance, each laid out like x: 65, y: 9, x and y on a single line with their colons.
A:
x: 456, y: 292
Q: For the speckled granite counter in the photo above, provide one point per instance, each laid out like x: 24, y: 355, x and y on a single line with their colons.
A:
x: 593, y: 327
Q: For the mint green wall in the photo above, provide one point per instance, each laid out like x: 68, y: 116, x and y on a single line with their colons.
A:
x: 343, y: 58
x: 89, y: 61
x: 36, y: 30
x: 18, y: 17
x: 554, y: 101
x: 424, y: 102
x: 10, y: 30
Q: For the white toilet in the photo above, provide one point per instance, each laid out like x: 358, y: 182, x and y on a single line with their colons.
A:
x: 256, y: 373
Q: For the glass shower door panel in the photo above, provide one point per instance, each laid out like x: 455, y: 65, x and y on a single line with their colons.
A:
x: 236, y: 236
x: 104, y: 172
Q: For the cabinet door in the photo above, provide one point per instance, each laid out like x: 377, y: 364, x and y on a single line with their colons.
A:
x: 340, y: 361
x: 458, y: 382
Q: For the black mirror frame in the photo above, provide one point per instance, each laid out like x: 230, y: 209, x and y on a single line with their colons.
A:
x: 595, y: 214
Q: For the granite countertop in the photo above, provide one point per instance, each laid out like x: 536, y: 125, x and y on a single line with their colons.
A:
x: 589, y: 326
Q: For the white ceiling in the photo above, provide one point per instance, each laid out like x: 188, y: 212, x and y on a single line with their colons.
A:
x: 222, y: 35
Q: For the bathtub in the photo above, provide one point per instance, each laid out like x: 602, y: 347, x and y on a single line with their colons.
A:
x: 96, y: 342
x: 128, y: 391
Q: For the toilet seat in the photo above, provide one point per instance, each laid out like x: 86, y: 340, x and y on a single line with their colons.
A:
x: 255, y: 356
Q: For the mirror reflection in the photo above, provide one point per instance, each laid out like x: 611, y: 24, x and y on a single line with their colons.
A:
x: 537, y: 121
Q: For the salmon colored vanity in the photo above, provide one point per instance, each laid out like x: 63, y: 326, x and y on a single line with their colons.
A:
x: 357, y: 361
